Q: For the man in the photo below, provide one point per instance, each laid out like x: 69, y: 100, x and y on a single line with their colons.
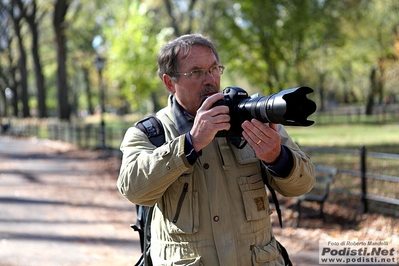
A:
x: 211, y: 205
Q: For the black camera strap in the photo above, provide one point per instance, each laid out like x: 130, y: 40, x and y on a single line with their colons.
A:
x: 284, y: 253
x: 274, y: 196
x: 238, y: 142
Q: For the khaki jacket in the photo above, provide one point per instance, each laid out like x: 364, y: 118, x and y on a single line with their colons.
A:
x: 215, y: 212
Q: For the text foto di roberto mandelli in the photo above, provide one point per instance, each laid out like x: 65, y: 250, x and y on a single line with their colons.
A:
x: 358, y: 243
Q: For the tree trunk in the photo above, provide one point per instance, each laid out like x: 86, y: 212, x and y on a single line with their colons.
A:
x: 12, y: 9
x: 22, y: 69
x: 60, y: 10
x: 12, y: 81
x: 40, y: 83
x: 3, y: 100
x: 3, y: 104
x: 88, y: 90
x: 372, y: 92
x: 41, y: 93
x: 155, y: 102
x: 322, y: 97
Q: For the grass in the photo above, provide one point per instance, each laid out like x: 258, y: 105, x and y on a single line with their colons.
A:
x: 376, y: 137
x: 382, y: 138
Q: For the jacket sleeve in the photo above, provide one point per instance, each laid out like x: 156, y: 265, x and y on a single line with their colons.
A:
x: 302, y: 176
x: 147, y: 171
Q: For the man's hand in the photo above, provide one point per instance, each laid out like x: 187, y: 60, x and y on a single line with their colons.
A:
x: 208, y: 121
x: 264, y: 139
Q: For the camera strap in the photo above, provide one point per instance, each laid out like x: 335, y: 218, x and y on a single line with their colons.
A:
x: 284, y: 253
x: 238, y: 142
x: 274, y: 196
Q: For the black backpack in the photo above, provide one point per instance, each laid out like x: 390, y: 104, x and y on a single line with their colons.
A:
x: 153, y: 128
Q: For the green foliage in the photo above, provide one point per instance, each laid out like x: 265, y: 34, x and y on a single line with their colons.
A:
x: 279, y: 38
x: 133, y: 47
x: 266, y: 46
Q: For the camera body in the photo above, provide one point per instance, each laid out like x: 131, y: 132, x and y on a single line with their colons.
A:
x: 288, y: 107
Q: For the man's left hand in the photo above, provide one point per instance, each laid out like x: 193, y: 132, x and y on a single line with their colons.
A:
x: 265, y: 140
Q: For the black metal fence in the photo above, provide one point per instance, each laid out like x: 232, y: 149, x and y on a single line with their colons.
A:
x: 370, y: 177
x: 87, y: 136
x: 350, y: 114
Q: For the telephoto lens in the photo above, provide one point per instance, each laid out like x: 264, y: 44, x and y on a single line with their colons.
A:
x: 288, y: 107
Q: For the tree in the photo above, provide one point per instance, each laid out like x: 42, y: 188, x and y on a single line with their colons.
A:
x: 88, y: 19
x: 7, y: 66
x: 8, y: 80
x: 267, y: 46
x: 133, y: 45
x: 384, y: 17
x: 180, y: 16
x: 15, y: 15
x: 59, y: 23
x: 29, y: 12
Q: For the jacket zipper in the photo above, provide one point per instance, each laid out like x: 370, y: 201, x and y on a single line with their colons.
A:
x: 180, y: 203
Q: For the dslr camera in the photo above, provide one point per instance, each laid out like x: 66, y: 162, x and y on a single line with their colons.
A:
x: 288, y: 107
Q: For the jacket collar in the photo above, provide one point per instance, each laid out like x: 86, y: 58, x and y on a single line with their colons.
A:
x: 183, y: 120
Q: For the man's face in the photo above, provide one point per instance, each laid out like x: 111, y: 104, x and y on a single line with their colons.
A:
x: 190, y: 91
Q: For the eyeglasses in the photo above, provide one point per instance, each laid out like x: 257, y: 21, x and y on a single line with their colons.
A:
x: 199, y: 73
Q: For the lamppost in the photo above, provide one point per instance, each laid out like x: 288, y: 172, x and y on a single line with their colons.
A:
x: 99, y: 46
x: 99, y: 62
x: 5, y: 125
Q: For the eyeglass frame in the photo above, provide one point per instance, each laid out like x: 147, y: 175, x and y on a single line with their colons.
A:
x: 204, y: 71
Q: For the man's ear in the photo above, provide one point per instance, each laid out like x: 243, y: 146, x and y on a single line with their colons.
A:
x: 169, y: 83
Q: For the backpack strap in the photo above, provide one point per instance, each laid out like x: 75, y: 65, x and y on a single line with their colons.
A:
x: 152, y: 127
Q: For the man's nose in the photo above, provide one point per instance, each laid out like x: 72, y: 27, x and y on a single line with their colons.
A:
x: 209, y: 78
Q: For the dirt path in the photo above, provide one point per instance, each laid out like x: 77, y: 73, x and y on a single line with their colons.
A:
x: 59, y: 206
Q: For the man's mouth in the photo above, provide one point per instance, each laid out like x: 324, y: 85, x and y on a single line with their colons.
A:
x: 209, y: 94
x: 208, y: 91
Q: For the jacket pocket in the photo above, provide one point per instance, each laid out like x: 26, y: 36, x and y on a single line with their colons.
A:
x: 180, y: 206
x: 268, y: 255
x: 180, y: 202
x: 254, y: 196
x: 187, y: 262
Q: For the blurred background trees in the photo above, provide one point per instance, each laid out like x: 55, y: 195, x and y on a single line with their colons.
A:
x: 346, y: 50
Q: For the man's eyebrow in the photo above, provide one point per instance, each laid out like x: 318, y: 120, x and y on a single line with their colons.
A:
x: 197, y: 67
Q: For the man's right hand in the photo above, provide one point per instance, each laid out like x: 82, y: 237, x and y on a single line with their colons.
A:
x: 208, y: 121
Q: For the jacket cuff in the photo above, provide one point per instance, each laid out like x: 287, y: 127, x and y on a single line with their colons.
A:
x: 189, y: 150
x: 284, y: 164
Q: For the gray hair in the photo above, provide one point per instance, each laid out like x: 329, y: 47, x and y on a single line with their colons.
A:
x: 168, y: 62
